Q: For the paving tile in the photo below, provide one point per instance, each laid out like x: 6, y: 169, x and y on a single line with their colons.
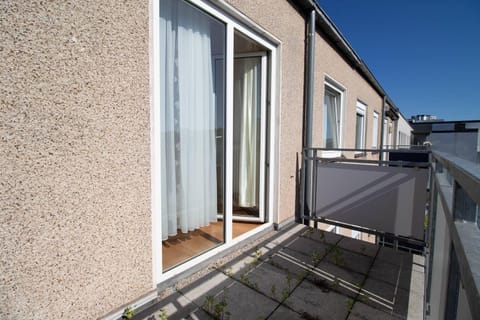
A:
x: 309, y: 248
x: 386, y: 297
x: 380, y: 294
x: 283, y: 313
x: 359, y: 246
x: 396, y: 257
x: 272, y: 281
x: 402, y: 303
x: 339, y: 279
x: 349, y: 260
x: 362, y: 311
x: 385, y: 271
x: 322, y: 236
x: 290, y: 263
x: 307, y: 299
x: 244, y: 303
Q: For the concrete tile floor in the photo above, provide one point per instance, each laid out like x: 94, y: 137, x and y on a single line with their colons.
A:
x: 302, y: 273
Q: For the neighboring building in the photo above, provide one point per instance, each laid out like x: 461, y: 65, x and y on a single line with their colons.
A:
x: 460, y: 138
x: 424, y: 118
x: 137, y: 145
x: 404, y: 132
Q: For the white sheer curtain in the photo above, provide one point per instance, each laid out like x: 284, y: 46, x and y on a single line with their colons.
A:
x: 189, y: 182
x: 332, y: 108
x: 246, y: 133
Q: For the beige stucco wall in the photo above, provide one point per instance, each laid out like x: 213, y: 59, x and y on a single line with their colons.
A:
x: 75, y: 180
x: 282, y: 20
x: 328, y: 63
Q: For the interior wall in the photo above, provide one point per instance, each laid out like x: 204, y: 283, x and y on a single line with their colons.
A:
x: 75, y: 157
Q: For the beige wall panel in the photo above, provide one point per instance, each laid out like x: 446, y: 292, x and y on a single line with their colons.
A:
x: 75, y: 218
x: 329, y: 63
x: 283, y: 21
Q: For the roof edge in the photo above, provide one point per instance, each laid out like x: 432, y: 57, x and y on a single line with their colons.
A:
x: 341, y: 42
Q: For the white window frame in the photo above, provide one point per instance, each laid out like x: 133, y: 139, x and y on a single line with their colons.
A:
x: 376, y: 118
x: 233, y: 20
x: 340, y: 90
x: 361, y: 109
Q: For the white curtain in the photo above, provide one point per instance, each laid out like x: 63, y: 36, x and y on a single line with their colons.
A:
x: 189, y: 182
x: 246, y: 131
x: 333, y: 115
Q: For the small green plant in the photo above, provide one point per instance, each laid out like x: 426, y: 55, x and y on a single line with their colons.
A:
x: 163, y: 315
x: 128, y: 313
x: 289, y: 281
x: 337, y: 256
x: 273, y: 291
x: 244, y: 279
x: 322, y: 235
x: 215, y: 308
x: 315, y: 257
x: 350, y: 303
x: 257, y: 253
x: 285, y: 294
x: 228, y: 272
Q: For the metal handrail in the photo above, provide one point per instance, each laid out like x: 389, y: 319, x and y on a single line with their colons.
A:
x: 464, y: 236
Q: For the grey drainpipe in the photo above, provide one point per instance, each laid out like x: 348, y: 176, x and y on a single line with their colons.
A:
x: 382, y: 126
x: 309, y: 112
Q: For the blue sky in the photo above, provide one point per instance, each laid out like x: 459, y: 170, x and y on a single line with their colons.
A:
x: 424, y: 53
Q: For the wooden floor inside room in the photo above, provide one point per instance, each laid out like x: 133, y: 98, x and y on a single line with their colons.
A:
x: 187, y: 245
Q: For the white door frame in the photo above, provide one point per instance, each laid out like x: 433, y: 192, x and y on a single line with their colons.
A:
x: 245, y: 26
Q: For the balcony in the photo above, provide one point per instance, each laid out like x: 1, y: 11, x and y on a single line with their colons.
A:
x: 301, y: 273
x: 422, y: 262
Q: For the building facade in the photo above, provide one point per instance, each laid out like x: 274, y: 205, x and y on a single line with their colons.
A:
x: 132, y: 132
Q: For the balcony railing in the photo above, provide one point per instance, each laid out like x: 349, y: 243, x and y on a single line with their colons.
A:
x: 453, y: 255
x: 366, y: 194
x: 413, y: 198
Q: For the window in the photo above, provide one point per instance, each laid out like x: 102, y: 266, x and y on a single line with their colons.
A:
x: 360, y: 126
x: 375, y: 131
x: 332, y: 116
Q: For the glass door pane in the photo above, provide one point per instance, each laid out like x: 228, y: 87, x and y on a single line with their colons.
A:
x: 192, y: 81
x: 247, y: 137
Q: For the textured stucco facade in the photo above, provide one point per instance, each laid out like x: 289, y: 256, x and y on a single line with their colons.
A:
x: 329, y: 64
x: 75, y: 157
x: 75, y: 206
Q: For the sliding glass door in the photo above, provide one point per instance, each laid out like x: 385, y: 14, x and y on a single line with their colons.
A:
x: 209, y: 73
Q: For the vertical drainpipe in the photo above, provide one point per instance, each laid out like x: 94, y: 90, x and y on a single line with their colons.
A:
x: 383, y: 127
x: 309, y: 113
